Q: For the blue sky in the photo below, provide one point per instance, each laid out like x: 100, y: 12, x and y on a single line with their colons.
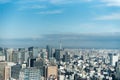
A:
x: 34, y: 18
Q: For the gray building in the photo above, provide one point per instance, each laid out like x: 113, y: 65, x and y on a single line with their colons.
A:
x: 66, y: 57
x: 30, y: 74
x: 49, y: 51
x: 59, y: 54
x: 15, y: 70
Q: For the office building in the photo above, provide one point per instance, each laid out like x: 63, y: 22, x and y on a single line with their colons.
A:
x: 59, y: 54
x: 118, y: 70
x: 30, y: 74
x: 2, y: 56
x: 49, y: 51
x: 15, y: 70
x: 7, y: 72
x: 66, y: 57
x: 51, y: 72
x: 113, y: 58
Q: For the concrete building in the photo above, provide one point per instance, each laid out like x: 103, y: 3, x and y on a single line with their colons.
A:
x: 66, y: 57
x: 118, y: 70
x: 51, y: 73
x: 2, y: 70
x: 30, y: 74
x: 7, y: 72
x: 2, y: 56
x: 15, y: 70
x: 59, y: 54
x: 113, y: 58
x: 49, y: 51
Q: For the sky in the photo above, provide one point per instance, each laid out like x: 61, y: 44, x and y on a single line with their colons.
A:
x: 33, y: 18
x: 82, y: 23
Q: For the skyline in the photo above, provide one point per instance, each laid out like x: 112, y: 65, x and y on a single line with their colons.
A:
x: 33, y: 19
x: 110, y: 41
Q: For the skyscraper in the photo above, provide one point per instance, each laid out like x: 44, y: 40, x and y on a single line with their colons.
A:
x: 113, y: 58
x: 118, y: 70
x: 59, y: 54
x: 49, y: 51
x: 30, y: 74
x: 66, y: 57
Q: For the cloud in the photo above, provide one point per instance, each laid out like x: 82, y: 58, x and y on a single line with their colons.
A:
x: 32, y: 7
x: 50, y: 12
x: 113, y: 16
x: 30, y: 1
x: 111, y: 2
x: 4, y: 1
x: 52, y: 1
x: 67, y: 1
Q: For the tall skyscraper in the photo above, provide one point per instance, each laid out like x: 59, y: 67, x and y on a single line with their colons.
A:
x: 30, y: 74
x: 59, y: 54
x: 49, y: 51
x: 113, y: 58
x: 30, y: 49
x: 66, y: 57
x: 15, y: 70
x: 118, y: 70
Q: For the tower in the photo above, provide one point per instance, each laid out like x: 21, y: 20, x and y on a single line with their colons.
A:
x: 60, y: 44
x: 49, y: 51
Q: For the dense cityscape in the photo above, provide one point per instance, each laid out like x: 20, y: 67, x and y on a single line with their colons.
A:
x: 34, y: 63
x: 59, y: 39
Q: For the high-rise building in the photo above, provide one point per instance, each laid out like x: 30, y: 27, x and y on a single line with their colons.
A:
x: 33, y: 52
x: 113, y: 58
x: 39, y: 64
x: 2, y: 56
x: 118, y: 70
x: 2, y: 70
x: 21, y: 55
x: 31, y: 62
x: 51, y: 72
x: 15, y: 70
x: 30, y: 74
x: 66, y: 57
x: 44, y: 55
x: 30, y: 49
x: 49, y: 51
x: 59, y: 54
x: 60, y: 44
x: 7, y: 72
x: 9, y: 54
x: 15, y: 56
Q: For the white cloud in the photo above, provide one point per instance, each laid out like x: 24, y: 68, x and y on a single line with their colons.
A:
x: 29, y: 1
x: 32, y: 7
x: 53, y: 1
x: 67, y: 1
x: 5, y: 1
x: 50, y: 12
x: 111, y: 2
x: 113, y: 16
